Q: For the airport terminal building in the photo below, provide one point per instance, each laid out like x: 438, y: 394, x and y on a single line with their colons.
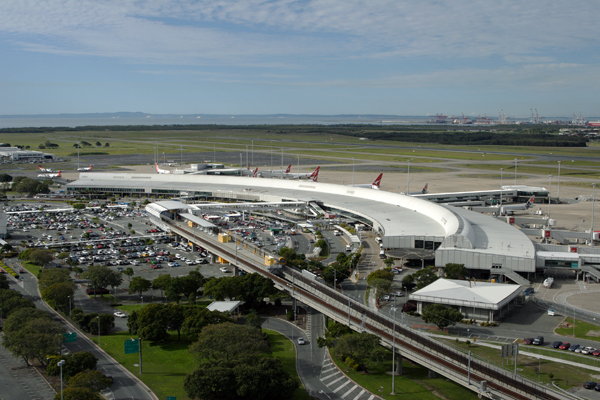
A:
x: 483, y: 244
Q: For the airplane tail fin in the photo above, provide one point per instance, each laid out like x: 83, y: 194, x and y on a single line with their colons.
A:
x: 156, y: 165
x: 40, y: 167
x: 91, y: 166
x: 255, y: 173
x: 59, y: 174
x: 425, y: 191
x: 248, y: 167
x: 289, y: 168
x: 377, y: 182
x: 315, y: 175
x: 530, y: 202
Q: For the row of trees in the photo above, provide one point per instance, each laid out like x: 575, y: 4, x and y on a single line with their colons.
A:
x: 22, y: 184
x: 87, y: 144
x: 250, y: 288
x: 154, y: 321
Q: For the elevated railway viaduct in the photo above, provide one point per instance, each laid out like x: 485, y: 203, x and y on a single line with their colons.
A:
x: 438, y: 357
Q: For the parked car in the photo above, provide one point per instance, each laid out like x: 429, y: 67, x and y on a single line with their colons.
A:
x: 120, y: 314
x: 538, y: 341
x: 300, y: 340
x: 565, y: 346
x: 556, y: 344
x: 588, y: 350
x: 529, y: 291
x: 590, y: 385
x: 224, y: 269
x: 573, y: 347
x: 528, y: 340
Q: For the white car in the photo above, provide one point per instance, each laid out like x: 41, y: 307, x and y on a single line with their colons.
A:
x: 224, y: 269
x: 588, y: 350
x: 120, y: 314
x: 189, y: 262
x: 300, y: 340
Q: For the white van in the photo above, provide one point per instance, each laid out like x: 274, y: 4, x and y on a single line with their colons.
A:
x: 348, y: 247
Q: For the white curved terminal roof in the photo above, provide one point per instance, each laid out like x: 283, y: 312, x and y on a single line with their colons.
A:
x: 397, y: 215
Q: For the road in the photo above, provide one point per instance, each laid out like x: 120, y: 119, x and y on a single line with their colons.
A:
x: 125, y: 385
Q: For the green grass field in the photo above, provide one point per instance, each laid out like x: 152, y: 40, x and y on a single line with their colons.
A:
x: 166, y: 365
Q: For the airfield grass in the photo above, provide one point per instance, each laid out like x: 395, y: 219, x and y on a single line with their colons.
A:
x: 165, y: 365
x: 583, y: 330
x: 527, y: 169
x: 412, y: 384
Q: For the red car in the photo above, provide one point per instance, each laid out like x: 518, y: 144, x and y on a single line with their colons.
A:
x: 596, y: 353
x: 528, y: 340
x: 565, y: 346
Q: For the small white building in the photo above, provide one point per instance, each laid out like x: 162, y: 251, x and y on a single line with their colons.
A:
x: 483, y: 301
x: 228, y: 307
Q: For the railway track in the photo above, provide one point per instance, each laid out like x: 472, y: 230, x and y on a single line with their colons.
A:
x: 453, y: 361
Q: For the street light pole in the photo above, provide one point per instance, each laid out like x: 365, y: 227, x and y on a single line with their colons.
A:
x: 501, y: 171
x: 181, y: 149
x: 298, y: 167
x: 142, y: 297
x: 98, y: 318
x: 241, y: 163
x: 408, y: 177
x: 516, y: 164
x: 394, y: 351
x: 593, y: 201
x: 69, y: 305
x: 558, y: 190
x: 60, y: 364
x: 352, y: 171
x: 253, y: 152
x: 549, y: 199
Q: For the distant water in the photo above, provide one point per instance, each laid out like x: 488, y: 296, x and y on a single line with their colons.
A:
x: 74, y: 121
x: 139, y: 118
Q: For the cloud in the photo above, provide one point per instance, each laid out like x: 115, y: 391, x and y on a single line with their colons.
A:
x: 274, y: 34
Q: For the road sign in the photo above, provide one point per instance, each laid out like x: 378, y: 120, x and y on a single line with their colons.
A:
x: 132, y: 346
x: 69, y: 337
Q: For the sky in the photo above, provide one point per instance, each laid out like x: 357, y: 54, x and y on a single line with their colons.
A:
x: 418, y: 57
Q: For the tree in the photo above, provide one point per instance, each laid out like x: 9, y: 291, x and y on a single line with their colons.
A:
x: 59, y: 295
x: 96, y: 381
x: 4, y: 282
x: 340, y: 274
x: 98, y: 144
x: 441, y: 315
x: 380, y: 274
x: 253, y: 319
x: 260, y: 378
x: 32, y: 336
x: 388, y: 262
x: 5, y: 178
x: 129, y: 272
x: 361, y: 347
x: 424, y: 277
x: 455, y: 271
x: 161, y: 283
x: 197, y: 318
x: 11, y: 301
x: 75, y: 363
x: 139, y: 285
x: 152, y: 322
x: 381, y: 285
x: 106, y: 144
x: 41, y: 257
x: 101, y: 276
x: 335, y: 330
x: 228, y: 341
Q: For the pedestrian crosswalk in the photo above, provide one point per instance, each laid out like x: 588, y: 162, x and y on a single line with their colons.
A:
x: 340, y: 384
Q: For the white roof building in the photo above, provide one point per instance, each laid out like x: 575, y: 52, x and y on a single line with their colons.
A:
x: 230, y: 307
x: 476, y: 300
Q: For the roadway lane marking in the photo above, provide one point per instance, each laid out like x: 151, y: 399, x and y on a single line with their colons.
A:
x: 329, y: 376
x: 372, y: 397
x: 349, y: 391
x: 345, y: 384
x: 360, y: 394
x: 337, y: 380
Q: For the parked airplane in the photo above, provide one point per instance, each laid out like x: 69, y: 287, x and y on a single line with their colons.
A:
x: 50, y: 176
x: 162, y: 171
x: 276, y: 173
x: 315, y: 175
x: 45, y: 169
x: 255, y: 173
x: 509, y: 209
x: 374, y: 185
x: 306, y: 175
x: 82, y: 169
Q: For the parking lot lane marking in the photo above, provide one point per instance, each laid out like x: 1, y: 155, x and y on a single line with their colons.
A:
x: 329, y: 376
